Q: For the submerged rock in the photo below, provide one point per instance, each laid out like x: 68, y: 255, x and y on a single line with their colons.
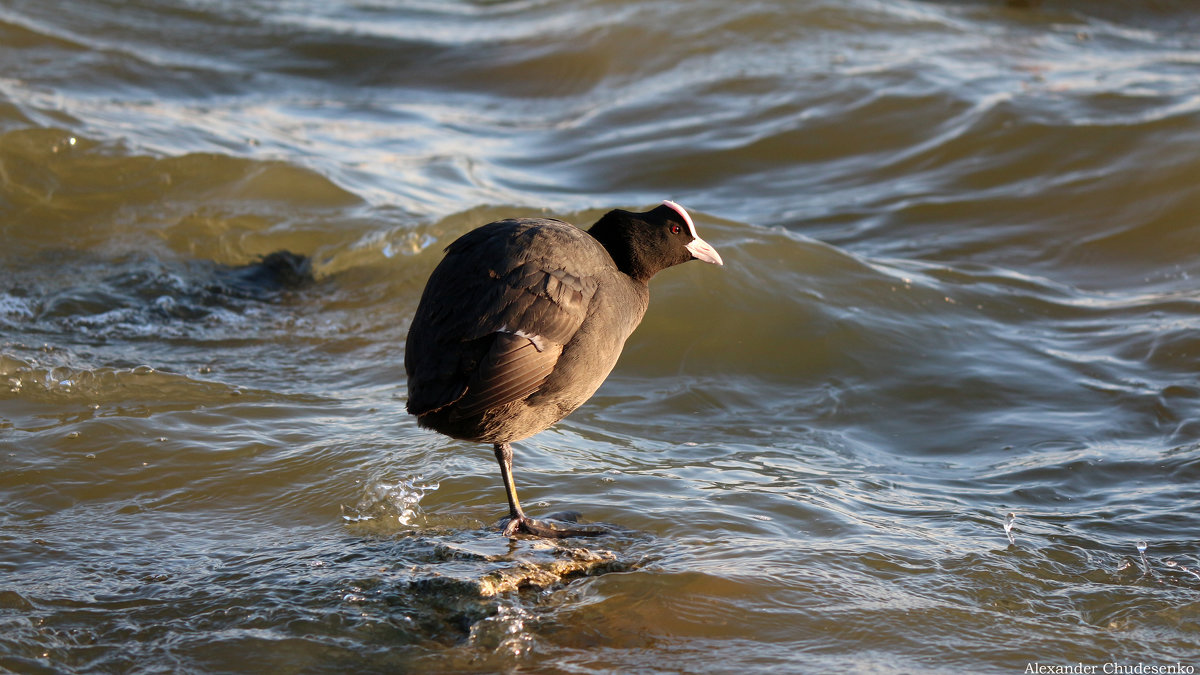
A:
x: 532, y: 564
x: 537, y: 565
x: 456, y: 585
x: 281, y: 270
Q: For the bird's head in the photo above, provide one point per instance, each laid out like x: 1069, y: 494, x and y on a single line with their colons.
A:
x: 643, y: 244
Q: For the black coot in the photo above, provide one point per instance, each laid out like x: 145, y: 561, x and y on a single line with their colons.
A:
x: 524, y: 318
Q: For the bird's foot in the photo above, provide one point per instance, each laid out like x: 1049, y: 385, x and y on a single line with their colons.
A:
x: 556, y: 526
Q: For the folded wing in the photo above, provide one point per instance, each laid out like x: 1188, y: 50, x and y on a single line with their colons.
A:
x: 495, y: 317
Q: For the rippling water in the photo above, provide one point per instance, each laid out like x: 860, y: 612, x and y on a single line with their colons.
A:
x: 961, y: 246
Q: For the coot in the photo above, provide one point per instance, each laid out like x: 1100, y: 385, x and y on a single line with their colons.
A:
x: 524, y: 318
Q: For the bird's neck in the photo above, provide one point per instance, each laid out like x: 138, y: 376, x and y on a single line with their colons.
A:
x: 622, y: 248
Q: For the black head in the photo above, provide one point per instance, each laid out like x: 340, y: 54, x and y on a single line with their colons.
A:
x: 643, y: 244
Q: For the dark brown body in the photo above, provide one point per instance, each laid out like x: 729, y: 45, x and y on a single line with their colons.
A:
x: 561, y: 324
x: 524, y: 319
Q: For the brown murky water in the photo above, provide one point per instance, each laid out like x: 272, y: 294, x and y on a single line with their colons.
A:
x: 961, y: 282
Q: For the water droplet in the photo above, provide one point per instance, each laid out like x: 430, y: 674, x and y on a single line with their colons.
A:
x: 1141, y: 547
x: 73, y: 434
x: 1009, y: 521
x: 90, y: 455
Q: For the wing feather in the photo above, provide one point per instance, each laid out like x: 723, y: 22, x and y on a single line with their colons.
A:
x: 513, y: 369
x: 496, y: 315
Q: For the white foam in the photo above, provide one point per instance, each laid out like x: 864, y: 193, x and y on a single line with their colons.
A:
x: 11, y: 305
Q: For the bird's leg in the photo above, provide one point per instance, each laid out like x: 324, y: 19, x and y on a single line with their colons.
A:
x: 515, y: 515
x: 517, y: 520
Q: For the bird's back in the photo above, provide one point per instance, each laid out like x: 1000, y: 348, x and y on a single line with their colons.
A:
x: 505, y: 341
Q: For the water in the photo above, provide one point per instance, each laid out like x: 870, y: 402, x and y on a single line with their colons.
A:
x: 920, y: 421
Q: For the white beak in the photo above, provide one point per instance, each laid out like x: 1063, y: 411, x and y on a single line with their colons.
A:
x: 701, y: 250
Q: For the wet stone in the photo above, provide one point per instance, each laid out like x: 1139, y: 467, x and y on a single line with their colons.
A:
x: 531, y: 565
x: 460, y: 584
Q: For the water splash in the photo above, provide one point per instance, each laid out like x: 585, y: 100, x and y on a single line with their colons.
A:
x: 1141, y: 547
x: 387, y: 501
x: 14, y: 308
x: 506, y: 632
x: 1009, y: 520
x: 1174, y: 565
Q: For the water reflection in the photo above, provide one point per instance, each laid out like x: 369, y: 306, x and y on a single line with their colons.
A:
x: 960, y: 247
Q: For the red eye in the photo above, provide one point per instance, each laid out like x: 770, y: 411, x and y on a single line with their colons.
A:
x: 675, y: 229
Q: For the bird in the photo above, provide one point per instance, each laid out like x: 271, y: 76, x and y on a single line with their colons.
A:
x: 524, y: 318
